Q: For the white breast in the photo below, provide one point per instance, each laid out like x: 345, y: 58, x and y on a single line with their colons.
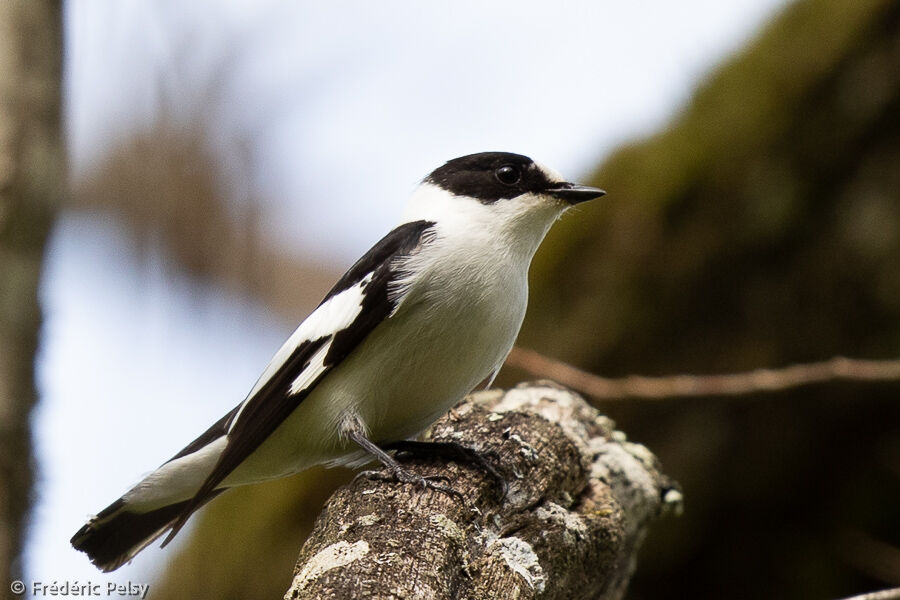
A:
x: 458, y: 320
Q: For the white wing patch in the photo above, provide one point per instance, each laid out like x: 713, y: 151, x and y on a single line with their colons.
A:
x: 333, y: 315
x: 309, y: 375
x: 336, y: 313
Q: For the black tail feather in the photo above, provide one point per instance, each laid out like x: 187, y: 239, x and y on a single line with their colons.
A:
x: 114, y: 536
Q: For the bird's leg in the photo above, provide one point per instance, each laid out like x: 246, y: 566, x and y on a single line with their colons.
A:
x: 353, y: 430
x: 452, y: 451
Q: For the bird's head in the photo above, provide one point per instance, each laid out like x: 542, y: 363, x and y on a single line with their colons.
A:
x: 500, y: 192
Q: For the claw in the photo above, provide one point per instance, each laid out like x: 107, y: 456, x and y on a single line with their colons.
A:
x: 353, y: 429
x: 455, y: 451
x: 401, y: 475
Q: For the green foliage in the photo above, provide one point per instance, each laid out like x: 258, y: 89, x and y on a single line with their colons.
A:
x: 769, y: 204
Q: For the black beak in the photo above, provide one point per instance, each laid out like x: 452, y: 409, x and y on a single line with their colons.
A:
x: 573, y: 193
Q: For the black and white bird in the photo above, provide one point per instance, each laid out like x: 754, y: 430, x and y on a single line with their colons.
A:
x: 415, y: 324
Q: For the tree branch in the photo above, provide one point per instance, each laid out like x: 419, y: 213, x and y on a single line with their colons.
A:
x: 579, y: 503
x: 732, y: 384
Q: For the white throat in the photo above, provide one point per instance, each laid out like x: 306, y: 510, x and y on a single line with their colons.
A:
x: 516, y: 225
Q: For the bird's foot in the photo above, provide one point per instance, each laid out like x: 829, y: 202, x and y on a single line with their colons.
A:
x: 397, y: 474
x: 453, y: 451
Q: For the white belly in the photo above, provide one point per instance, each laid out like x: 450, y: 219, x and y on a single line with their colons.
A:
x: 438, y: 359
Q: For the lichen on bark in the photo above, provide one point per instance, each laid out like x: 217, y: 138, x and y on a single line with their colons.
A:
x: 580, y: 499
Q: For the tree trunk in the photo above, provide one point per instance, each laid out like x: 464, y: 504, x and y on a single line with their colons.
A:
x: 579, y: 502
x: 30, y: 185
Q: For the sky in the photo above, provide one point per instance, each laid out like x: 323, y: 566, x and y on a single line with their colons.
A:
x: 341, y: 108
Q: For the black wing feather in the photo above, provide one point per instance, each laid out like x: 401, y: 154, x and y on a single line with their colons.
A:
x: 216, y: 430
x: 273, y: 403
x: 401, y: 241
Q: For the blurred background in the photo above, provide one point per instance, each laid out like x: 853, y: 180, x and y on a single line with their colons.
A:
x: 181, y: 182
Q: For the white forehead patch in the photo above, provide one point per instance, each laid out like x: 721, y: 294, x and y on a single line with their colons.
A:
x: 552, y: 174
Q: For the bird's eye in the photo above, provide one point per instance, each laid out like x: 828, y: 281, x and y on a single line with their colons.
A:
x: 508, y: 175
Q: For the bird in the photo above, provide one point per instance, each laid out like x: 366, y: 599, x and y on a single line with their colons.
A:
x: 427, y: 314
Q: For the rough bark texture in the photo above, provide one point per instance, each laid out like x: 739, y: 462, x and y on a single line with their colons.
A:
x: 30, y: 183
x: 579, y: 503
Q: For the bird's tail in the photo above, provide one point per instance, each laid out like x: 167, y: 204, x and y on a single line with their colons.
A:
x: 117, y: 534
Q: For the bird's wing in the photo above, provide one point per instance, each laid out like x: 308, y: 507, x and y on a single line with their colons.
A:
x: 357, y: 303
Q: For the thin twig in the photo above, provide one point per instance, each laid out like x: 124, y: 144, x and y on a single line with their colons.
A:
x: 732, y: 384
x: 891, y: 594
